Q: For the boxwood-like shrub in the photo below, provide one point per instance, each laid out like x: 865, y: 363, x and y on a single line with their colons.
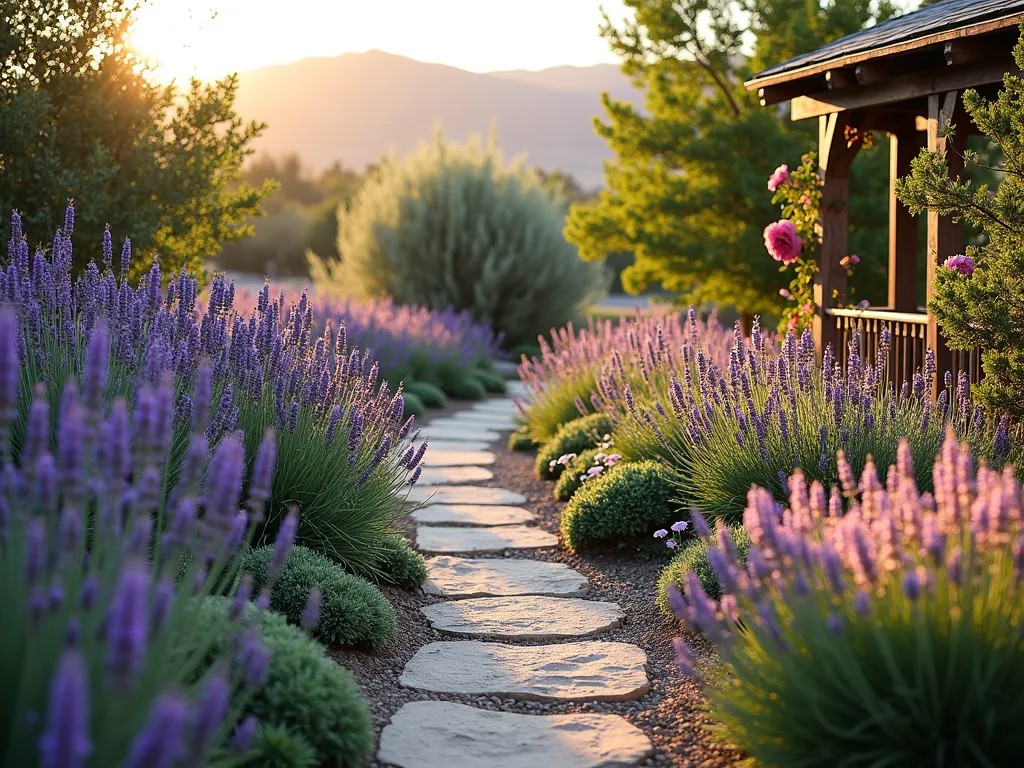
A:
x: 569, y: 481
x: 574, y: 436
x: 429, y: 394
x: 465, y: 387
x: 307, y: 693
x: 493, y: 382
x: 277, y: 746
x: 693, y: 556
x: 400, y: 564
x: 628, y: 500
x: 520, y: 440
x: 353, y: 612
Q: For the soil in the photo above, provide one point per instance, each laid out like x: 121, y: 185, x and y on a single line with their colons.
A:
x: 672, y: 714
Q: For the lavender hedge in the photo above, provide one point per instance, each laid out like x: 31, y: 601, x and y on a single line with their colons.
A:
x: 102, y: 556
x: 343, y: 455
x: 873, y: 625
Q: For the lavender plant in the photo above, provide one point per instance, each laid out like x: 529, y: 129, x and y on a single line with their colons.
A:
x: 102, y: 556
x: 872, y: 625
x: 342, y: 454
x: 772, y: 408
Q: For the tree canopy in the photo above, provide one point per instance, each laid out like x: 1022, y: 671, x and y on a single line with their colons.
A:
x: 82, y: 117
x: 686, y: 190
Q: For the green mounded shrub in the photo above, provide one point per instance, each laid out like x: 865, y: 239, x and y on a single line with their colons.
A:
x: 693, y: 556
x: 493, y: 382
x: 529, y: 350
x: 306, y: 692
x: 626, y: 501
x: 575, y: 436
x: 353, y: 612
x: 520, y: 440
x: 277, y: 746
x: 429, y: 394
x: 456, y: 226
x: 465, y: 387
x: 569, y: 481
x: 400, y: 564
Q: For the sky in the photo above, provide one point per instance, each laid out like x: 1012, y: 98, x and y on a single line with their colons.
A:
x: 211, y: 38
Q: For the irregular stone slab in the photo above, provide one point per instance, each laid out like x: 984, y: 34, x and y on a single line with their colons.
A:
x: 507, y: 368
x: 462, y: 446
x: 500, y: 424
x: 448, y: 458
x: 462, y: 494
x: 530, y: 617
x: 485, y: 417
x: 443, y: 734
x: 453, y: 475
x: 464, y: 431
x: 517, y: 389
x: 471, y: 514
x: 586, y: 671
x: 442, y: 539
x: 459, y: 577
x: 505, y: 405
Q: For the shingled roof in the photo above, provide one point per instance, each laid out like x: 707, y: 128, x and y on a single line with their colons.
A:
x: 932, y: 23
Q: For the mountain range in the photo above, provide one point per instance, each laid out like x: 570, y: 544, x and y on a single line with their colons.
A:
x: 356, y: 107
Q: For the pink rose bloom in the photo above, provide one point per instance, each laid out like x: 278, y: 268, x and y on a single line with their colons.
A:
x: 784, y: 293
x: 782, y: 241
x: 962, y: 264
x: 780, y: 177
x: 854, y: 259
x: 863, y: 304
x: 806, y: 309
x: 805, y: 201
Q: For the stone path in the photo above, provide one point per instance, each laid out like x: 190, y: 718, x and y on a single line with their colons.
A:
x: 510, y: 600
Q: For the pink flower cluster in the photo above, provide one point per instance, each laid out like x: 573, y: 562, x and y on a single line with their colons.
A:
x: 782, y: 241
x: 778, y: 178
x: 962, y: 264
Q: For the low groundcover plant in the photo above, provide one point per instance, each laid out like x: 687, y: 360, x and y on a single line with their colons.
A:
x: 874, y: 624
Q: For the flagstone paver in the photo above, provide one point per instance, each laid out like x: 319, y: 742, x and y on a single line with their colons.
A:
x: 584, y: 671
x: 504, y: 405
x: 461, y: 446
x: 454, y: 475
x: 462, y: 494
x: 461, y: 577
x: 445, y: 540
x: 530, y: 617
x: 447, y: 458
x: 485, y: 416
x: 462, y: 431
x: 443, y: 734
x: 471, y: 514
x: 494, y: 424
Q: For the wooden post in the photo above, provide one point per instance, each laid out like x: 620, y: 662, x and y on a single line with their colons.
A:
x: 835, y: 155
x: 904, y: 145
x: 945, y: 237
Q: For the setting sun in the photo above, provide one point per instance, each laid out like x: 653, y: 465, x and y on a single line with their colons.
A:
x: 213, y: 38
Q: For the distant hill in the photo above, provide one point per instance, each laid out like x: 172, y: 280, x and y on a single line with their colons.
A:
x: 357, y: 107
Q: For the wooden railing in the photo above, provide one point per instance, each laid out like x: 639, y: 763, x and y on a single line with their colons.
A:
x: 908, y: 332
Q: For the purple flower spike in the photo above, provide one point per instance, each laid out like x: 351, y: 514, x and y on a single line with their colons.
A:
x: 263, y: 470
x: 224, y: 482
x: 161, y: 743
x: 242, y: 738
x: 66, y: 744
x: 253, y: 658
x: 163, y: 597
x: 311, y: 613
x: 684, y: 657
x: 94, y: 379
x: 700, y: 525
x: 37, y: 431
x: 283, y: 544
x: 214, y: 705
x: 127, y: 625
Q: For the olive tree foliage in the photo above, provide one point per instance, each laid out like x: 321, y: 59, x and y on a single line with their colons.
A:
x: 455, y: 225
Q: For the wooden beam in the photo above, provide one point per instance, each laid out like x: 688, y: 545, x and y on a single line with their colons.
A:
x: 840, y: 78
x: 904, y: 145
x: 777, y: 94
x: 998, y: 26
x: 945, y: 237
x: 878, y: 70
x: 903, y: 87
x: 967, y: 49
x: 836, y: 151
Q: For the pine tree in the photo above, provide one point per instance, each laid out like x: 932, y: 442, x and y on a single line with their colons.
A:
x: 979, y: 296
x: 686, y: 191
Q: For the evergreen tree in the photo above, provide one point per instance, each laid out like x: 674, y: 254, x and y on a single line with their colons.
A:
x: 81, y: 117
x: 686, y: 191
x: 979, y: 295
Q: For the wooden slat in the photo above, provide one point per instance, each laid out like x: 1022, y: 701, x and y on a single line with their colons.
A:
x: 840, y: 78
x: 902, y: 88
x: 904, y: 146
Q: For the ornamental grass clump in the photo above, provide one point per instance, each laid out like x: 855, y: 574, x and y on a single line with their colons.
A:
x: 773, y: 408
x: 343, y: 457
x: 873, y: 624
x: 102, y: 556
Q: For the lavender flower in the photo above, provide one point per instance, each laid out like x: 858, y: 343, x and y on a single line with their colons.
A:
x: 127, y: 625
x: 161, y: 744
x: 66, y: 742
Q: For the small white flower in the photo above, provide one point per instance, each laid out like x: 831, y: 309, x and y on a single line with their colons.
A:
x: 661, y: 533
x: 679, y: 526
x: 553, y: 463
x: 671, y: 543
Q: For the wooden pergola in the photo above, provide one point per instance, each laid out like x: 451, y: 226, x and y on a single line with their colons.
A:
x: 903, y: 77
